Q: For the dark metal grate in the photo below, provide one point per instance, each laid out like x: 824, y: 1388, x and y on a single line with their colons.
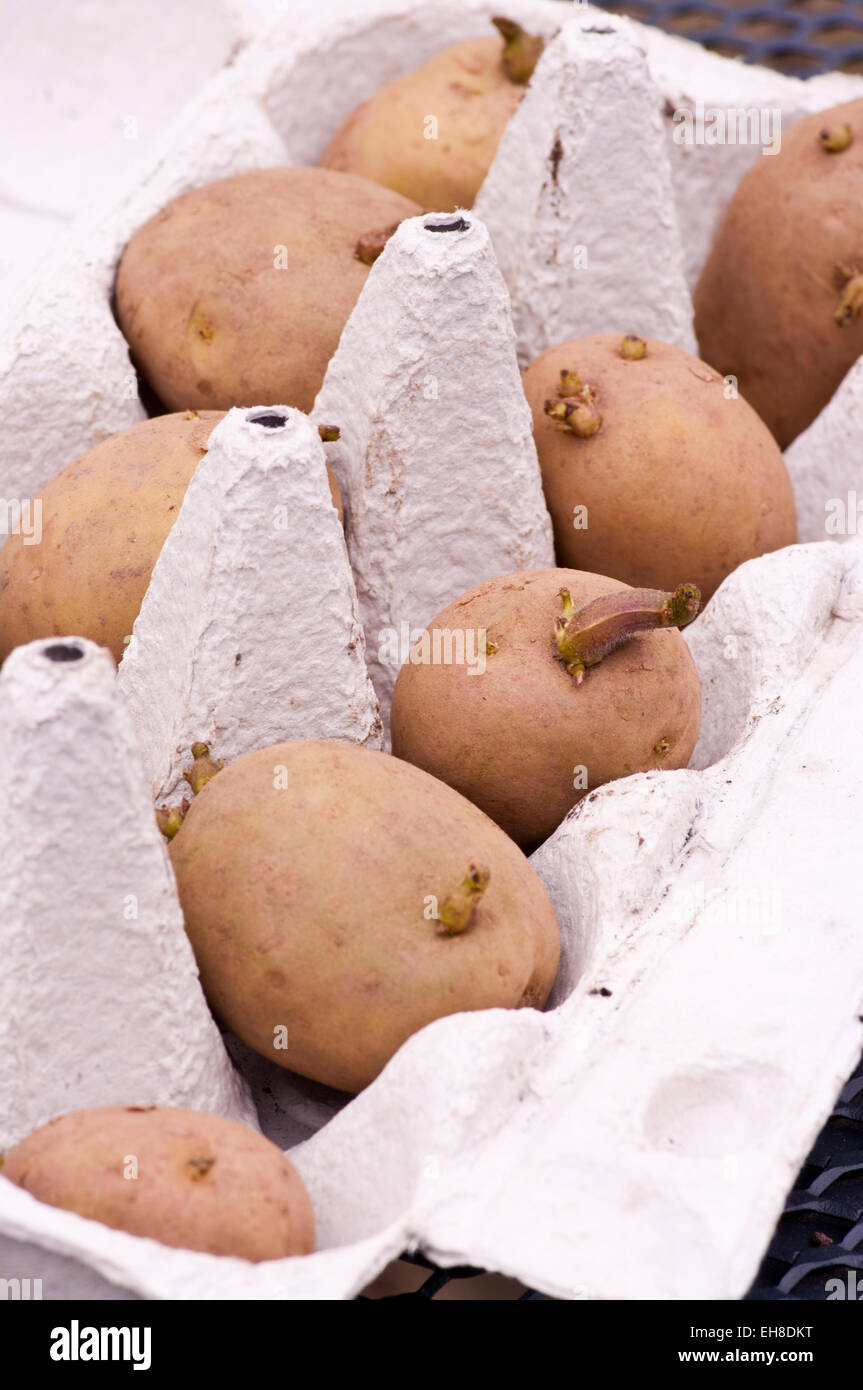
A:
x: 799, y: 37
x: 820, y: 1234
x: 438, y: 1279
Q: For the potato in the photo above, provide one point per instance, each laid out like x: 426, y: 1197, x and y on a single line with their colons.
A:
x: 433, y: 134
x: 183, y: 1178
x: 237, y: 293
x: 338, y: 900
x: 105, y: 519
x: 678, y: 481
x: 522, y: 738
x: 778, y: 301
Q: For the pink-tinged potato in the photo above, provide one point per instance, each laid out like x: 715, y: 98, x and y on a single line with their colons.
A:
x: 105, y: 518
x: 237, y: 293
x: 521, y: 738
x: 181, y: 1177
x: 469, y: 92
x: 778, y: 301
x: 671, y: 479
x: 338, y: 900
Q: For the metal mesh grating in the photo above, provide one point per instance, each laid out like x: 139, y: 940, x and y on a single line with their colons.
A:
x: 439, y: 1279
x: 799, y: 37
x: 820, y: 1234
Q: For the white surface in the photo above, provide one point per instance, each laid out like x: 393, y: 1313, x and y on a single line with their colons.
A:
x: 99, y: 996
x: 85, y: 89
x: 826, y: 465
x: 734, y: 959
x: 579, y: 201
x: 248, y: 633
x: 436, y: 454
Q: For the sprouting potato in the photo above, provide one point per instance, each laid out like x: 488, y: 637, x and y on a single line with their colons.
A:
x: 338, y: 900
x: 779, y: 298
x: 585, y: 680
x: 237, y: 293
x: 654, y: 470
x: 471, y: 90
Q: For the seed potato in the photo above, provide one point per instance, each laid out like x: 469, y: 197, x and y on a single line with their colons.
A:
x: 197, y: 1181
x: 779, y: 298
x: 655, y: 475
x: 237, y: 293
x: 310, y: 874
x: 433, y: 134
x: 105, y: 519
x: 523, y: 740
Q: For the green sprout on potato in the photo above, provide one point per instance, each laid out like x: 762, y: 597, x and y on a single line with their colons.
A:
x: 199, y: 1168
x: 633, y: 348
x: 458, y: 911
x: 170, y: 818
x: 584, y: 636
x: 835, y: 138
x: 203, y: 768
x: 571, y: 383
x: 849, y: 280
x: 575, y: 409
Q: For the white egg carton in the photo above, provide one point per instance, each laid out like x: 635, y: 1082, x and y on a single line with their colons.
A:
x: 708, y: 1004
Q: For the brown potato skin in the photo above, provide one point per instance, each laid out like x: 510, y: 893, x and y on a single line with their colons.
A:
x: 105, y: 518
x: 250, y: 1202
x: 681, y: 485
x: 466, y: 88
x: 766, y: 297
x: 305, y: 907
x: 510, y: 739
x: 211, y: 321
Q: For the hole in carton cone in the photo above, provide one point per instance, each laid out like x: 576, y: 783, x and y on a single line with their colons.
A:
x: 270, y: 418
x: 455, y: 224
x: 63, y: 651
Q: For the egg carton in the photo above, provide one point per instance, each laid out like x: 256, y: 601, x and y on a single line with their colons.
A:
x: 707, y: 1008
